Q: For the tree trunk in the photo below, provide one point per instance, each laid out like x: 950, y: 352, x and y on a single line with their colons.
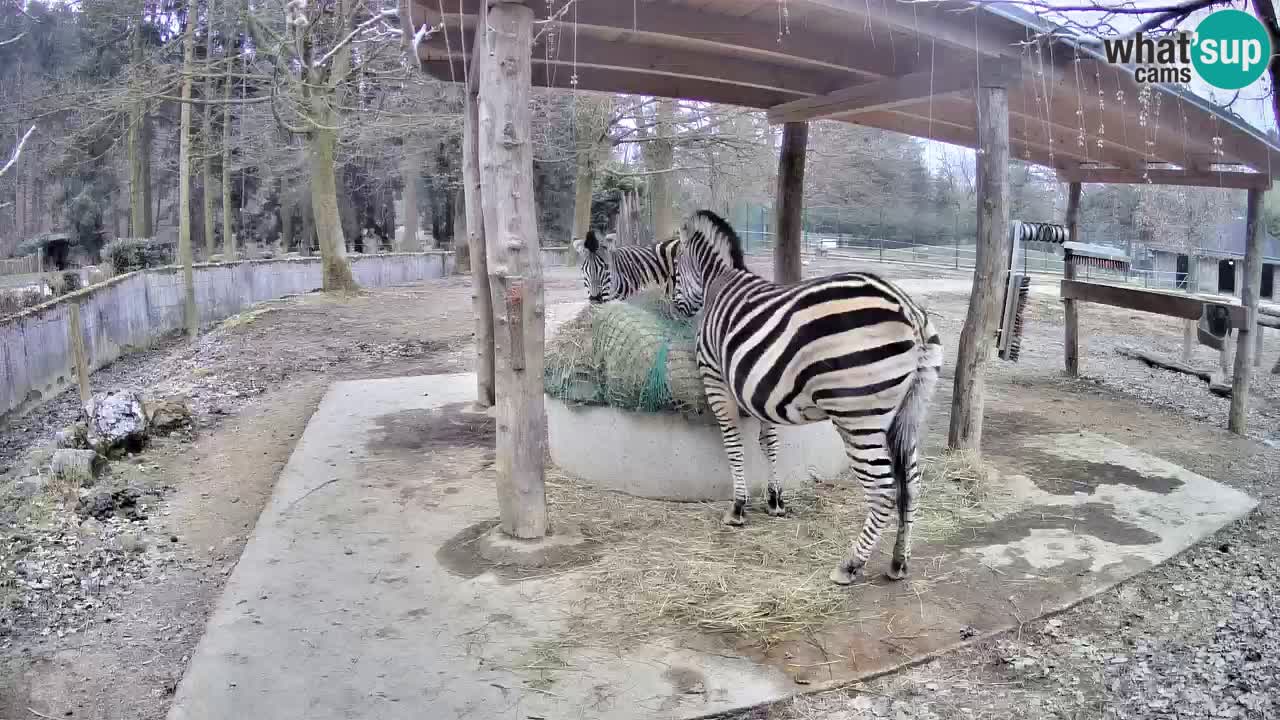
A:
x: 461, y: 259
x: 990, y: 269
x: 661, y: 158
x: 140, y: 225
x: 184, y: 173
x: 582, y: 186
x: 515, y: 272
x: 409, y: 175
x: 481, y: 300
x: 1071, y: 337
x: 336, y: 271
x: 228, y: 237
x: 787, y: 243
x: 1251, y: 285
x: 286, y: 226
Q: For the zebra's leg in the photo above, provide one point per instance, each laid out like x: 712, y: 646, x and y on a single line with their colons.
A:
x: 871, y: 462
x: 769, y: 445
x: 726, y: 411
x: 908, y: 497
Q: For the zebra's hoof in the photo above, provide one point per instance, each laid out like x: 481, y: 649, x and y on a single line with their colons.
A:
x: 734, y: 517
x: 841, y: 576
x: 776, y: 507
x: 897, y: 570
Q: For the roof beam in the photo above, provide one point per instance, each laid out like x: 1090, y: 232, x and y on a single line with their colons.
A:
x: 1232, y: 179
x: 631, y: 57
x: 893, y: 92
x: 1021, y: 146
x: 652, y: 21
x: 611, y: 81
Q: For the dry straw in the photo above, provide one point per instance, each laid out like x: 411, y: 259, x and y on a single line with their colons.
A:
x: 675, y: 565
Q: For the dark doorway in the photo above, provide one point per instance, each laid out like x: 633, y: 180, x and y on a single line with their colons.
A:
x: 1227, y: 277
x: 1184, y: 266
x: 1268, y: 280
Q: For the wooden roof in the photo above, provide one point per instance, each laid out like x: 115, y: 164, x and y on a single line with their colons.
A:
x: 902, y: 66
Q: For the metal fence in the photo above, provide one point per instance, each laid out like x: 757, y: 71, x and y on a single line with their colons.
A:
x: 956, y: 257
x: 20, y: 265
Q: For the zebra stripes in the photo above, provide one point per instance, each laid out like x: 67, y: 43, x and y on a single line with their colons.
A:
x: 616, y: 274
x: 849, y: 348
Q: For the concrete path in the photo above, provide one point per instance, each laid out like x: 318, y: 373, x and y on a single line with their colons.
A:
x: 356, y: 596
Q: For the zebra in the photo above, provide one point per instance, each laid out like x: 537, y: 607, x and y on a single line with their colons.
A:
x: 616, y: 274
x: 851, y: 348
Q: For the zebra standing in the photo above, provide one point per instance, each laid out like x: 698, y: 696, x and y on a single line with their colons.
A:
x: 851, y: 348
x: 616, y: 274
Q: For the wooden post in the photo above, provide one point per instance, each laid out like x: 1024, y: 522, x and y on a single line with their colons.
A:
x: 75, y: 333
x: 790, y: 199
x: 990, y: 268
x: 514, y: 265
x: 1250, y: 288
x: 481, y: 300
x: 1257, y: 345
x: 1189, y: 340
x: 1071, y: 339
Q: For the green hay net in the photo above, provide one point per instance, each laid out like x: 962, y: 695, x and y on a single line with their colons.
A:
x: 635, y: 355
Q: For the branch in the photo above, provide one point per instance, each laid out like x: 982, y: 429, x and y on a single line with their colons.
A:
x: 17, y: 151
x: 351, y: 35
x: 13, y: 39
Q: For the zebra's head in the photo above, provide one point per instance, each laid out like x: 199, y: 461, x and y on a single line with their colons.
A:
x: 595, y: 269
x: 708, y: 247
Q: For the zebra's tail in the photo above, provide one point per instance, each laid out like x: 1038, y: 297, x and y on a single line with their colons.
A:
x: 907, y: 429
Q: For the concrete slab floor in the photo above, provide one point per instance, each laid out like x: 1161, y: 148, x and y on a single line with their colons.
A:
x: 356, y: 596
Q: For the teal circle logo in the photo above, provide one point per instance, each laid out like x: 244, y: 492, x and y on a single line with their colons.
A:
x: 1232, y: 49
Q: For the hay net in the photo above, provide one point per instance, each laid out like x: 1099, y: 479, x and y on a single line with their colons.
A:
x: 636, y: 355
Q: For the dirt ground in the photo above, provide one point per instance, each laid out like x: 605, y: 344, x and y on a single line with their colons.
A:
x: 255, y: 381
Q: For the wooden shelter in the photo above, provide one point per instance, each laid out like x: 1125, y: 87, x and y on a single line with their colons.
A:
x: 990, y: 77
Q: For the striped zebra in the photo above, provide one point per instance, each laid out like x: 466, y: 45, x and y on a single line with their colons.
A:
x: 850, y: 348
x: 617, y: 274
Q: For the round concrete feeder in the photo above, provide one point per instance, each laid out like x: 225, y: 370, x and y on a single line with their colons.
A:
x: 671, y: 456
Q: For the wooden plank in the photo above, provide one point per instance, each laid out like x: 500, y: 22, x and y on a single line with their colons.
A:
x: 1184, y: 368
x: 790, y: 194
x: 1187, y: 307
x: 75, y: 334
x: 656, y: 23
x: 515, y: 272
x: 990, y: 269
x: 1165, y: 176
x: 895, y: 91
x: 1249, y: 291
x: 576, y: 52
x: 481, y: 300
x: 1071, y: 338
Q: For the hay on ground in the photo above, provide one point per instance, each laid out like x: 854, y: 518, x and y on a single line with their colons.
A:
x: 675, y: 564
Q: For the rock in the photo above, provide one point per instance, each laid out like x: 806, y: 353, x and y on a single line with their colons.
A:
x: 30, y: 486
x: 167, y: 414
x: 74, y: 436
x: 117, y: 422
x: 105, y: 503
x: 133, y: 542
x: 77, y: 468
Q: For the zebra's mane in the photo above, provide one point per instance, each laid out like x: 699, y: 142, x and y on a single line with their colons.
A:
x: 723, y: 235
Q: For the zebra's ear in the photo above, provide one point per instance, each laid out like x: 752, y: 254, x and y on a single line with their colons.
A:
x: 591, y: 243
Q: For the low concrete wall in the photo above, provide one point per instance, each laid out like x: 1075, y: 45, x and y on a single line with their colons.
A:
x: 135, y: 309
x: 667, y: 456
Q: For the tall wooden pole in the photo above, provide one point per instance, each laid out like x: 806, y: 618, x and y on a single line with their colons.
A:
x: 1071, y: 340
x: 790, y: 199
x: 1249, y: 291
x: 990, y: 268
x: 515, y: 269
x: 481, y: 301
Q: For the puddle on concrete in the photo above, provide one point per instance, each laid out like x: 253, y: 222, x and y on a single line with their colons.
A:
x: 421, y: 431
x: 1095, y: 519
x: 1065, y: 476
